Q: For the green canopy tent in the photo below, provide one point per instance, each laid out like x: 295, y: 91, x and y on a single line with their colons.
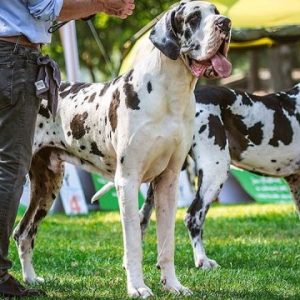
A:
x: 262, y: 22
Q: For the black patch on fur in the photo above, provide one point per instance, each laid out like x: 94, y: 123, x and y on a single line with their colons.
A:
x: 128, y: 76
x: 215, y: 95
x: 147, y: 207
x: 149, y: 87
x: 92, y: 98
x: 216, y: 11
x: 76, y: 87
x: 40, y: 214
x: 44, y: 111
x: 256, y: 133
x: 77, y: 125
x: 236, y: 132
x: 246, y: 100
x: 113, y: 110
x: 64, y: 94
x: 95, y: 150
x: 282, y: 130
x: 195, y: 207
x: 116, y: 79
x: 216, y: 130
x: 105, y: 88
x: 132, y: 100
x: 187, y: 34
x: 202, y: 128
x: 64, y: 85
x: 198, y: 201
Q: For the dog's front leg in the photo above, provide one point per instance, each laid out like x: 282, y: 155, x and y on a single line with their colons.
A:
x: 127, y: 188
x: 165, y: 194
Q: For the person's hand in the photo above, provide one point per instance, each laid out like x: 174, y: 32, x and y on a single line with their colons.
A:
x: 118, y: 8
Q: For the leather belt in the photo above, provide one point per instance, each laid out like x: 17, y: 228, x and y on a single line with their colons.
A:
x: 20, y: 40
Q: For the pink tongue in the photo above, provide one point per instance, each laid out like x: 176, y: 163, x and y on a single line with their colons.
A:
x: 221, y: 65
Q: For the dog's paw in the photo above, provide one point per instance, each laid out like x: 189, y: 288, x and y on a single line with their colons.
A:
x: 139, y: 292
x: 176, y: 288
x: 34, y: 280
x: 206, y: 263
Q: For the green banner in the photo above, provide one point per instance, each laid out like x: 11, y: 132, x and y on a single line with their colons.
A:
x: 263, y: 189
x: 109, y: 201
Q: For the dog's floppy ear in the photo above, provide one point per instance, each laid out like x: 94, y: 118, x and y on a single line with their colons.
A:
x: 163, y: 36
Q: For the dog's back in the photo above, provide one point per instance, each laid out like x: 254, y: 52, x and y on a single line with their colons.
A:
x: 263, y: 132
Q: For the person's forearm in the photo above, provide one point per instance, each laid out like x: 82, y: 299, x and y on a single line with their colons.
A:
x: 77, y: 9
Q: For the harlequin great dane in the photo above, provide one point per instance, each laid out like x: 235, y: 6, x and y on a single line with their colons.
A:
x: 137, y: 128
x: 260, y: 134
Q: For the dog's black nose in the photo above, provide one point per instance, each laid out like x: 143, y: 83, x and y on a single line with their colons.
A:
x: 224, y: 24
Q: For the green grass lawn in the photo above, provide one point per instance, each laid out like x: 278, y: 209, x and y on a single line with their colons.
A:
x: 257, y: 246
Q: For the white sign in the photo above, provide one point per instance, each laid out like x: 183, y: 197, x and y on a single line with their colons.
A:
x: 71, y: 193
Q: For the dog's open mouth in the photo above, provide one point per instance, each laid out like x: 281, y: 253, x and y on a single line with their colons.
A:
x: 216, y: 66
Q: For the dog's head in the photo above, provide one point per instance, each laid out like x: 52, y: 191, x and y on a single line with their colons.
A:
x: 196, y: 32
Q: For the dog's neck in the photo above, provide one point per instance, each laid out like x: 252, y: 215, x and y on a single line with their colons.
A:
x: 176, y: 81
x: 176, y: 71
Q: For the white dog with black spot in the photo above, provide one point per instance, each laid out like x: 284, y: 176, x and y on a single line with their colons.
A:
x: 137, y: 128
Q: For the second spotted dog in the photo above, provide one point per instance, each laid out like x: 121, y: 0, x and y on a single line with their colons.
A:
x: 256, y: 133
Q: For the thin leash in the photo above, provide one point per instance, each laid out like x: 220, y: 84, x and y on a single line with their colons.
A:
x: 99, y: 43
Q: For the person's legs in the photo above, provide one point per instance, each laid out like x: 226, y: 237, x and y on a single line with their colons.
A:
x: 18, y: 111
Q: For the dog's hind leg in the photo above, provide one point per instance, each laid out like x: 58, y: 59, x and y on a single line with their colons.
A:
x: 165, y: 196
x: 294, y: 183
x: 211, y: 154
x: 46, y: 175
x: 146, y: 210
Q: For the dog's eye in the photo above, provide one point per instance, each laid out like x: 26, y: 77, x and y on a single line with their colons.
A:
x: 195, y: 19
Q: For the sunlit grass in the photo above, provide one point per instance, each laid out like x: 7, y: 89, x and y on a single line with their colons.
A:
x: 257, y: 246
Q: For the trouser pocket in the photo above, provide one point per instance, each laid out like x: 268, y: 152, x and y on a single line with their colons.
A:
x: 6, y: 84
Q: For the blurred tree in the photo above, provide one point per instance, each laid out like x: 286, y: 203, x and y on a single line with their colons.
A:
x: 113, y: 33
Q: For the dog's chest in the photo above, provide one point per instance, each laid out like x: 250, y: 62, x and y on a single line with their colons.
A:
x: 164, y: 140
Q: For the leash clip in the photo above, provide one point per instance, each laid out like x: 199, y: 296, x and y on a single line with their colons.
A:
x: 56, y: 26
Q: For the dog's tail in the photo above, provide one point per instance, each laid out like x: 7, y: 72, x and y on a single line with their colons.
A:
x: 103, y: 191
